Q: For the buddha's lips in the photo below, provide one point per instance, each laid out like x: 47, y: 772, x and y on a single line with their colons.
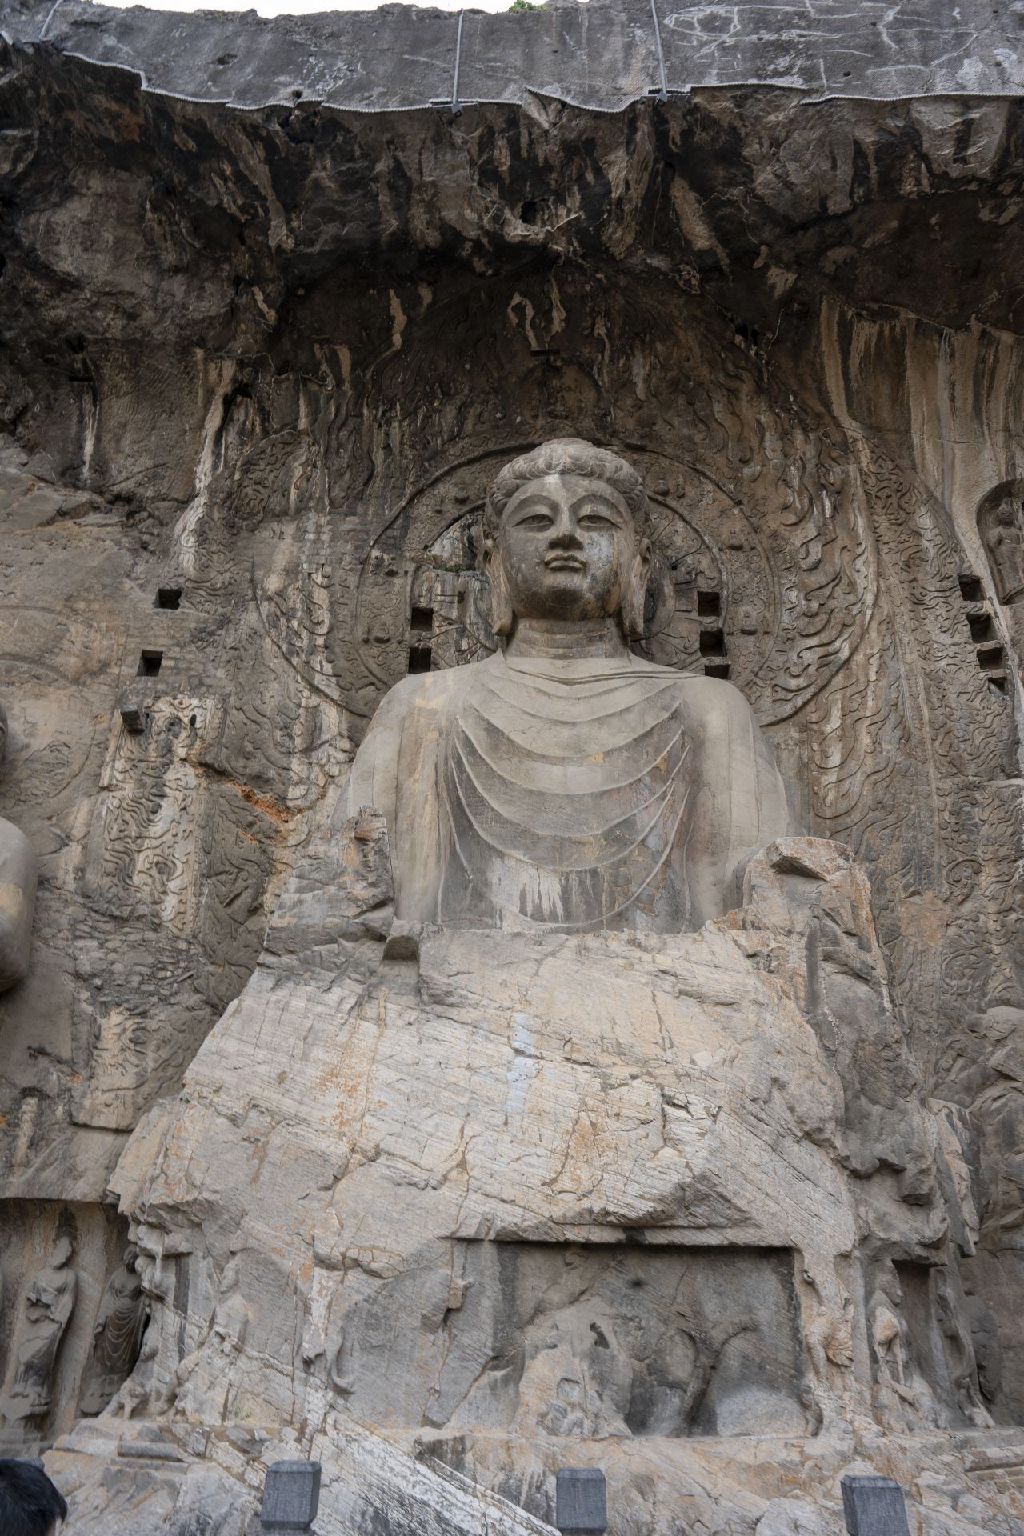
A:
x: 565, y: 563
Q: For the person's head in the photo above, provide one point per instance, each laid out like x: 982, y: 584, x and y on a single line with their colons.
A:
x: 566, y: 537
x: 29, y: 1503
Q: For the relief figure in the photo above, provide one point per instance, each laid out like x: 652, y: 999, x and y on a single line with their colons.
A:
x: 117, y: 1337
x: 1001, y: 525
x: 50, y: 1301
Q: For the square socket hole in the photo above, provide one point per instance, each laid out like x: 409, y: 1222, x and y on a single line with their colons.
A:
x: 168, y: 597
x: 717, y: 669
x: 150, y: 663
x: 709, y: 604
x: 712, y: 642
x: 970, y: 588
x: 992, y: 659
x: 981, y: 627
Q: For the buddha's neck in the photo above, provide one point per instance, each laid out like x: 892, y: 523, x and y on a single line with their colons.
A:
x: 574, y: 641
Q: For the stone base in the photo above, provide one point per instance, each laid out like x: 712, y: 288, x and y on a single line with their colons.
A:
x: 672, y: 1206
x: 150, y: 1479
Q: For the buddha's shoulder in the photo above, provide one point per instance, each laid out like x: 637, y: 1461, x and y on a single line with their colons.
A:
x: 431, y: 690
x: 707, y: 698
x: 15, y: 849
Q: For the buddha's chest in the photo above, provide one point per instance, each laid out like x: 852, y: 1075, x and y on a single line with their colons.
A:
x: 564, y: 806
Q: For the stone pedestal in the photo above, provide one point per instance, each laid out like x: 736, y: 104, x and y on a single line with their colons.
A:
x: 524, y: 1195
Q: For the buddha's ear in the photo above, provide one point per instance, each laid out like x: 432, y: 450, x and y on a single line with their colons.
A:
x: 502, y: 616
x: 634, y: 595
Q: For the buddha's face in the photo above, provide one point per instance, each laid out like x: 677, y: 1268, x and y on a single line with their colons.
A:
x: 567, y: 543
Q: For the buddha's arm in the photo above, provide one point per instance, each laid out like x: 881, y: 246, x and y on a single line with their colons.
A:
x: 345, y: 876
x: 741, y: 803
x: 17, y: 902
x: 396, y: 771
x: 374, y: 777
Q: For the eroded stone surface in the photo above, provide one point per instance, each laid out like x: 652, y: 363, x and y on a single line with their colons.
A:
x: 261, y: 368
x: 533, y: 1191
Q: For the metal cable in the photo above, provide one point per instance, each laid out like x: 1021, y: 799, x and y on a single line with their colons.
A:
x: 49, y: 17
x: 456, y: 109
x: 663, y: 93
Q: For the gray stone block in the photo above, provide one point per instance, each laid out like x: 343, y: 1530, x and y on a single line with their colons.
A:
x: 291, y: 1496
x: 133, y: 718
x: 874, y: 1506
x: 581, y: 1501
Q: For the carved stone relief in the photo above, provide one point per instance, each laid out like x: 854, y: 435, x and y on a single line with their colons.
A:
x: 49, y: 1303
x: 1001, y: 526
x: 252, y: 498
x: 117, y: 1337
x: 769, y: 584
x: 65, y: 1296
x: 1001, y: 531
x: 594, y: 1341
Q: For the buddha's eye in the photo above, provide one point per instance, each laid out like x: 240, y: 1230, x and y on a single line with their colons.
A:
x: 592, y: 518
x: 535, y: 520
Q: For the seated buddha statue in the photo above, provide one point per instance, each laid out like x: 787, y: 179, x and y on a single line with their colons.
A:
x: 565, y: 784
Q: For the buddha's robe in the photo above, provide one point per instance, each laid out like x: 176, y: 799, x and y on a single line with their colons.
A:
x: 567, y: 795
x: 17, y: 902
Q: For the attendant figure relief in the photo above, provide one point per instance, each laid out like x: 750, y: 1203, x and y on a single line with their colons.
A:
x: 117, y: 1337
x: 50, y: 1301
x: 1001, y: 525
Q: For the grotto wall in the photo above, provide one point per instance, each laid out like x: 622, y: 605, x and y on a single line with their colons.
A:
x: 278, y: 301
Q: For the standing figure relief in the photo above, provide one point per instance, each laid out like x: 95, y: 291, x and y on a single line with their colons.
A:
x: 50, y: 1300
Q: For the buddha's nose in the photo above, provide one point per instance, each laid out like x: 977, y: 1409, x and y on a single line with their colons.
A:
x: 564, y: 535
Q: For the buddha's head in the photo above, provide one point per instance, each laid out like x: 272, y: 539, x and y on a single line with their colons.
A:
x: 566, y: 538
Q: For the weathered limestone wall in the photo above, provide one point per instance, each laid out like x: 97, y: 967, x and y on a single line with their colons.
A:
x: 257, y: 370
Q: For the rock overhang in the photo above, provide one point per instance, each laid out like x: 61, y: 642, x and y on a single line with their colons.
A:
x: 761, y: 195
x: 601, y: 54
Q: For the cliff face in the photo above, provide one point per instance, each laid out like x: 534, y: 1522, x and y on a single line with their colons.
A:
x: 276, y: 301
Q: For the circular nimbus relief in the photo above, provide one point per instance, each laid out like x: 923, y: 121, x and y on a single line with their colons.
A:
x: 772, y: 589
x: 712, y: 601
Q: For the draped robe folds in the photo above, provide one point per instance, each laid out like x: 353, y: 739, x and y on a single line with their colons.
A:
x: 567, y: 795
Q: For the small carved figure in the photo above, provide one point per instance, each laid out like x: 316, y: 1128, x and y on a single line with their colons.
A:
x: 988, y: 1352
x: 564, y: 783
x: 959, y: 1352
x: 18, y: 876
x: 893, y: 1392
x: 117, y: 1337
x: 50, y: 1302
x: 828, y: 1334
x: 232, y: 1314
x: 1001, y: 524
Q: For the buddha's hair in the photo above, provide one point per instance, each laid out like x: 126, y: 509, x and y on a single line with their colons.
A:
x: 568, y: 456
